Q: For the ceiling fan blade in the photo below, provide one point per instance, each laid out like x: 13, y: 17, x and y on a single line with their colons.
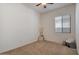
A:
x: 38, y: 4
x: 50, y: 3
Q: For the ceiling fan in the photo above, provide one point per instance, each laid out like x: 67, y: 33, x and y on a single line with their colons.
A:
x: 43, y: 4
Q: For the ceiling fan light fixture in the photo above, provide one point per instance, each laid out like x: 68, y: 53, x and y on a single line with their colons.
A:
x: 43, y: 4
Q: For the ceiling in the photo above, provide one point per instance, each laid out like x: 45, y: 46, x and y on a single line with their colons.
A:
x: 40, y: 9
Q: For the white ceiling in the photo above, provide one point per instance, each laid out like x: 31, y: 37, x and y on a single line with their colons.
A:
x: 49, y: 7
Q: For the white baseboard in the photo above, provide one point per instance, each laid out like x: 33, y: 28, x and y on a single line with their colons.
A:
x: 18, y: 46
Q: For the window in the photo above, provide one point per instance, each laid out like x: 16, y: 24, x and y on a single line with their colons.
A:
x: 62, y: 23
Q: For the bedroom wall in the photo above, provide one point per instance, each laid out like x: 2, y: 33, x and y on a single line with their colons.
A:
x: 48, y: 24
x: 77, y: 27
x: 18, y: 26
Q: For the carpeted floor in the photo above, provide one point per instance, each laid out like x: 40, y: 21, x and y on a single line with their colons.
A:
x: 42, y: 48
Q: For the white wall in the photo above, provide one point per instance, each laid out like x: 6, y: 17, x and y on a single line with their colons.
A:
x: 18, y: 26
x: 77, y: 27
x: 48, y: 24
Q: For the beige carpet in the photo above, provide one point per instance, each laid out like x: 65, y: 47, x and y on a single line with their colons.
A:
x: 42, y: 48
